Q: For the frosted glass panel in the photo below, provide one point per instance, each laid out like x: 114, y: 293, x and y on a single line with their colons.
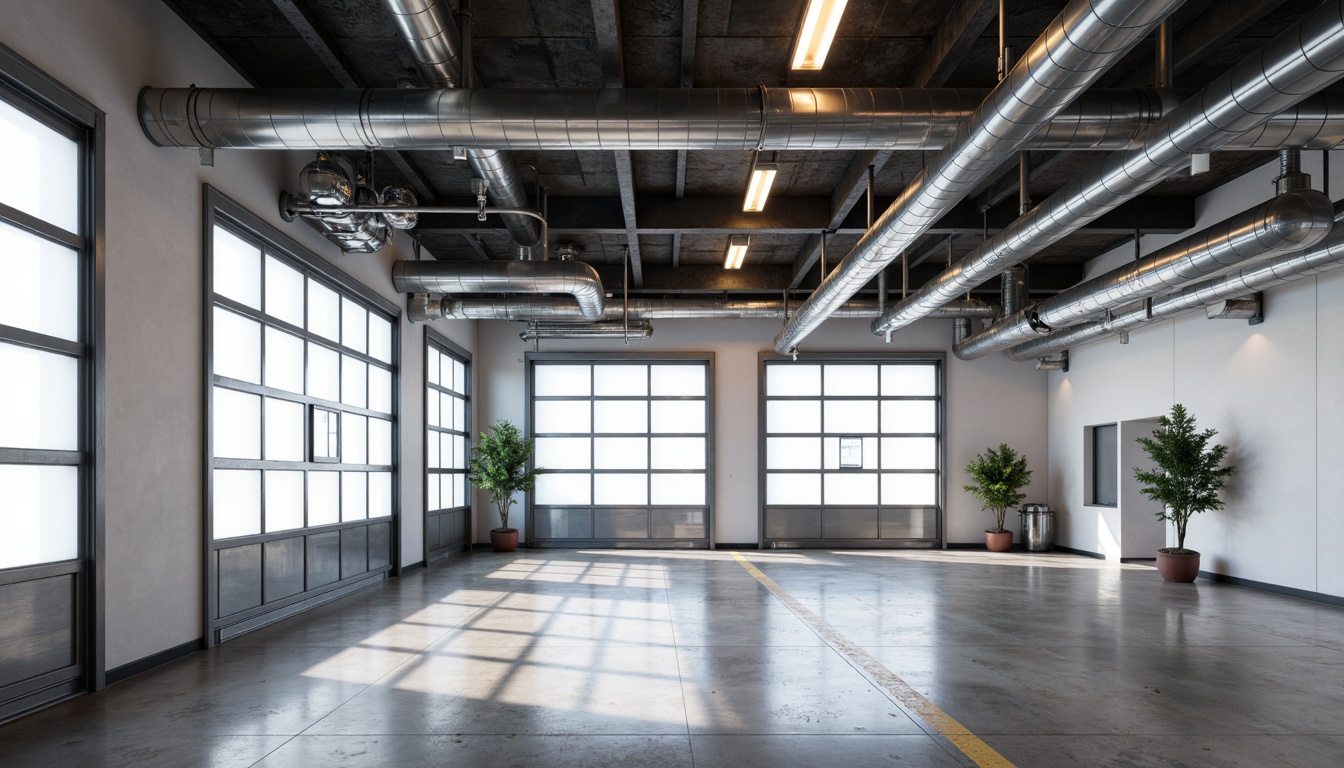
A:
x: 354, y: 325
x: 354, y: 381
x: 792, y: 489
x: 681, y: 490
x: 459, y: 376
x: 620, y: 489
x: 562, y: 380
x: 432, y: 366
x: 354, y: 496
x: 237, y: 343
x: 41, y: 175
x: 380, y: 338
x: 621, y: 380
x: 793, y: 416
x: 284, y: 292
x: 432, y: 408
x: 39, y: 284
x: 910, y: 380
x: 324, y: 372
x: 563, y: 453
x: 687, y: 416
x: 237, y: 268
x: 847, y: 488
x: 459, y: 491
x: 910, y: 489
x: 432, y: 493
x: 380, y: 442
x: 284, y: 361
x: 237, y: 422
x: 432, y: 450
x: 793, y: 453
x: 380, y: 494
x: 459, y: 414
x: 354, y: 439
x: 677, y: 380
x: 564, y: 489
x: 380, y: 389
x: 459, y: 460
x: 850, y: 415
x: 324, y: 311
x: 324, y: 498
x: 909, y: 453
x: 39, y: 400
x: 285, y: 427
x: 460, y: 452
x: 445, y: 483
x: 237, y: 502
x: 851, y: 380
x: 677, y: 452
x: 910, y: 416
x: 621, y: 453
x: 793, y: 379
x: 562, y: 416
x: 620, y: 416
x: 284, y: 500
x: 39, y: 514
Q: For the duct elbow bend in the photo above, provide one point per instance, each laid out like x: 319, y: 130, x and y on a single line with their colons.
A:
x: 586, y: 288
x: 1300, y: 219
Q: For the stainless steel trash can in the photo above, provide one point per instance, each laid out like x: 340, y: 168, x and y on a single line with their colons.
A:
x: 1038, y: 528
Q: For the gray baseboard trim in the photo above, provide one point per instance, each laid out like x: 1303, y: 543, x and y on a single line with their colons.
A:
x: 730, y: 545
x: 1301, y: 594
x: 405, y: 569
x: 154, y: 660
x: 1083, y: 552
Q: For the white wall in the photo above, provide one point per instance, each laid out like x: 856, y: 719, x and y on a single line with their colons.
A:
x: 989, y: 401
x: 106, y: 51
x: 1271, y: 392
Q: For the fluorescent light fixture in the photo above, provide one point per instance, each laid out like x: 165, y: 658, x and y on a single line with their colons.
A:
x: 814, y: 39
x: 737, y: 251
x: 758, y: 189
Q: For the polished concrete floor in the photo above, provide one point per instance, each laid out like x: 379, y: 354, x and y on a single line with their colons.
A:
x: 677, y: 659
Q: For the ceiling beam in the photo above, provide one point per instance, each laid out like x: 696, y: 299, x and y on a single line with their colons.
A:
x: 852, y: 187
x: 479, y: 249
x: 607, y: 24
x: 1007, y: 184
x: 770, y: 278
x: 1212, y: 28
x: 690, y: 19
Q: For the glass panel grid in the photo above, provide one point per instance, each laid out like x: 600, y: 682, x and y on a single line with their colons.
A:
x: 447, y: 443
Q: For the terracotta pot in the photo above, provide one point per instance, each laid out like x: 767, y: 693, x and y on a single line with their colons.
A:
x: 999, y: 542
x: 1181, y: 568
x: 504, y: 541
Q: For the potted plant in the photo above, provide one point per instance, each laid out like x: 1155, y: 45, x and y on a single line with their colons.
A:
x: 999, y: 475
x: 499, y: 465
x: 1186, y: 479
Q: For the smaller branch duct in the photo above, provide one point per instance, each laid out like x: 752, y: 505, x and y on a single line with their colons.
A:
x: 561, y: 309
x: 332, y: 181
x: 603, y: 330
x: 575, y: 278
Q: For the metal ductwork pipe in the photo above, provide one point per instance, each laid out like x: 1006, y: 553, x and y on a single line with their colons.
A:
x: 564, y: 309
x: 428, y: 29
x: 603, y: 330
x: 575, y: 278
x: 1076, y: 48
x: 1286, y: 222
x: 1325, y: 256
x: 1014, y: 289
x: 1303, y: 59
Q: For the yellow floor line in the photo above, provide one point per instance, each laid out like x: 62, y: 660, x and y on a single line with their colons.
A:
x: 947, y: 726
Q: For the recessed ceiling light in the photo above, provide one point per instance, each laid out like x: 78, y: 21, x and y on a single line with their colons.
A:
x: 737, y: 251
x: 814, y: 39
x: 758, y: 189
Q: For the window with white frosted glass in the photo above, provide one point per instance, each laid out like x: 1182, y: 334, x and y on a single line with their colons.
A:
x: 447, y: 435
x: 36, y: 280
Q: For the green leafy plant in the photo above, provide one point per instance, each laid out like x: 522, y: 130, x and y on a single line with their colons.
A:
x: 1188, y: 475
x: 999, y: 475
x: 499, y: 465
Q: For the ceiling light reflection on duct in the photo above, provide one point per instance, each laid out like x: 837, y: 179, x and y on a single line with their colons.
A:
x: 758, y: 189
x: 737, y: 251
x: 814, y: 39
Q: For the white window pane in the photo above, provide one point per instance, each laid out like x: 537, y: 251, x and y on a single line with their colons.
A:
x: 284, y: 292
x: 380, y: 338
x: 354, y: 496
x: 830, y: 453
x: 41, y: 175
x: 39, y: 514
x: 563, y: 453
x: 792, y: 489
x: 324, y: 372
x: 459, y: 414
x: 324, y: 498
x: 620, y: 416
x: 620, y: 489
x: 237, y: 502
x: 354, y: 325
x: 237, y: 424
x: 432, y: 450
x: 380, y: 389
x: 284, y: 361
x: 39, y: 400
x: 380, y: 494
x: 380, y: 442
x: 687, y: 416
x: 432, y: 408
x: 459, y: 491
x: 432, y: 493
x: 621, y: 380
x: 920, y: 416
x: 432, y: 366
x: 909, y: 453
x: 447, y: 451
x: 851, y: 380
x: 870, y: 453
x: 792, y: 379
x: 793, y: 453
x: 677, y: 452
x: 459, y: 376
x: 678, y: 380
x: 681, y: 490
x: 564, y: 489
x: 621, y: 453
x: 237, y: 269
x: 910, y: 380
x: 802, y: 416
x: 447, y: 419
x: 284, y: 500
x: 237, y: 346
x: 284, y: 430
x: 445, y: 483
x: 573, y: 416
x: 324, y: 311
x: 910, y: 489
x: 562, y: 380
x: 446, y: 371
x: 354, y: 381
x: 39, y: 284
x: 850, y: 415
x: 460, y: 452
x: 354, y: 440
x: 851, y: 488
